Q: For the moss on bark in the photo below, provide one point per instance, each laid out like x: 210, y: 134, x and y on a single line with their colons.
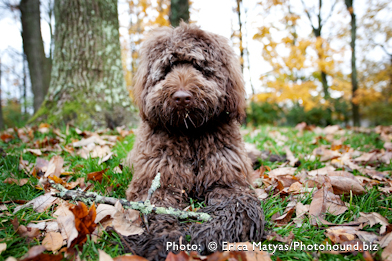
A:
x: 87, y: 86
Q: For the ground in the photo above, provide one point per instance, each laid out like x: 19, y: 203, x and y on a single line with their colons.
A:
x: 352, y: 184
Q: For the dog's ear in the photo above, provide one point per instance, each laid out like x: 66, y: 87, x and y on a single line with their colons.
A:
x: 150, y: 52
x: 235, y: 104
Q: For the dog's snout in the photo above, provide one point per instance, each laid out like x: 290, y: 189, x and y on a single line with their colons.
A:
x: 182, y: 98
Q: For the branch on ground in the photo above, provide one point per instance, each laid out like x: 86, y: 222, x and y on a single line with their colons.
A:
x: 144, y: 207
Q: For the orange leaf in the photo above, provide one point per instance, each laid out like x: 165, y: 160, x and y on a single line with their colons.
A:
x: 97, y: 176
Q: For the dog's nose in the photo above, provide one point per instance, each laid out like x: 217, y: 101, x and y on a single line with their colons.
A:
x: 182, y: 98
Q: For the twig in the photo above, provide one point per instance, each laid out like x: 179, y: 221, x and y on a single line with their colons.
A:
x: 156, y: 183
x: 144, y: 207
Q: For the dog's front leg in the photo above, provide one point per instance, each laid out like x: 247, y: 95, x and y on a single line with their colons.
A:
x: 158, y: 152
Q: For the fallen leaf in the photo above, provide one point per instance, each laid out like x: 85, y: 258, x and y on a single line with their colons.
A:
x: 84, y: 222
x: 40, y: 204
x: 375, y: 218
x: 34, y: 251
x: 3, y: 247
x: 343, y: 185
x: 106, y: 158
x: 325, y: 201
x: 388, y: 146
x: 24, y: 231
x: 6, y: 137
x: 103, y: 256
x: 19, y: 182
x: 66, y: 222
x: 387, y: 253
x: 182, y: 256
x: 282, y: 171
x: 130, y: 258
x: 385, y: 240
x: 276, y: 237
x: 122, y: 224
x: 55, y: 166
x: 340, y: 234
x: 290, y: 157
x: 322, y: 171
x: 97, y: 175
x: 53, y: 241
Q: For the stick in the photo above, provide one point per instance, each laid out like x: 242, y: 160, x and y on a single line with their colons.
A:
x: 144, y: 207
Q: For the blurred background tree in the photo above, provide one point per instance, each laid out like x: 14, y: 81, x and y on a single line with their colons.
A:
x: 33, y: 46
x: 87, y: 85
x: 323, y: 62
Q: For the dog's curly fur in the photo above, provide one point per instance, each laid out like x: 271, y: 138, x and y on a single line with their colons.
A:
x: 197, y: 148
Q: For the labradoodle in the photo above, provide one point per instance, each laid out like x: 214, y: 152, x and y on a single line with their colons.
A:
x: 190, y: 92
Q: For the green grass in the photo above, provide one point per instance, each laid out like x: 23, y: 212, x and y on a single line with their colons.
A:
x: 371, y: 201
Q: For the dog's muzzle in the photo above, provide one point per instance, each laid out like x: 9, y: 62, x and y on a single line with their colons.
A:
x: 182, y: 98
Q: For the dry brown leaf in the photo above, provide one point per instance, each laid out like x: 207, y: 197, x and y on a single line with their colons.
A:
x: 182, y: 256
x: 374, y: 174
x: 261, y: 194
x: 290, y: 157
x: 53, y: 241
x: 387, y: 253
x: 3, y: 247
x: 365, y: 236
x: 340, y: 234
x: 19, y: 182
x: 130, y: 258
x: 36, y: 152
x: 385, y: 240
x: 322, y: 171
x: 282, y: 171
x: 55, y: 166
x: 301, y: 209
x: 296, y: 187
x: 326, y: 154
x: 66, y: 222
x: 375, y: 218
x: 257, y: 254
x: 343, y: 185
x: 122, y: 224
x: 34, y: 251
x: 388, y: 146
x: 276, y: 237
x: 325, y: 201
x: 84, y: 223
x: 104, y: 210
x: 40, y: 204
x: 366, y: 157
x: 100, y: 151
x: 103, y: 256
x: 106, y: 158
x: 331, y: 129
x: 97, y: 175
x: 24, y: 231
x: 6, y: 137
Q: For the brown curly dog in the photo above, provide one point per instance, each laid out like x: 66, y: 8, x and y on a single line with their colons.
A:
x: 190, y: 92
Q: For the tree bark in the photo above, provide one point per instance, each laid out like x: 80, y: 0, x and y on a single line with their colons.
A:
x: 179, y: 10
x: 240, y: 34
x: 354, y: 81
x: 87, y: 86
x: 33, y: 46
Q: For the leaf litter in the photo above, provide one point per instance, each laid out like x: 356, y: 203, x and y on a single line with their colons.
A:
x: 347, y: 172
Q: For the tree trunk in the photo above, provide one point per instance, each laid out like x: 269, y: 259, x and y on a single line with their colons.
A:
x: 33, y: 46
x: 240, y: 34
x: 87, y: 85
x: 354, y: 81
x: 179, y: 10
x: 1, y: 105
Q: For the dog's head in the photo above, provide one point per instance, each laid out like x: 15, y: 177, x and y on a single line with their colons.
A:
x: 188, y: 77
